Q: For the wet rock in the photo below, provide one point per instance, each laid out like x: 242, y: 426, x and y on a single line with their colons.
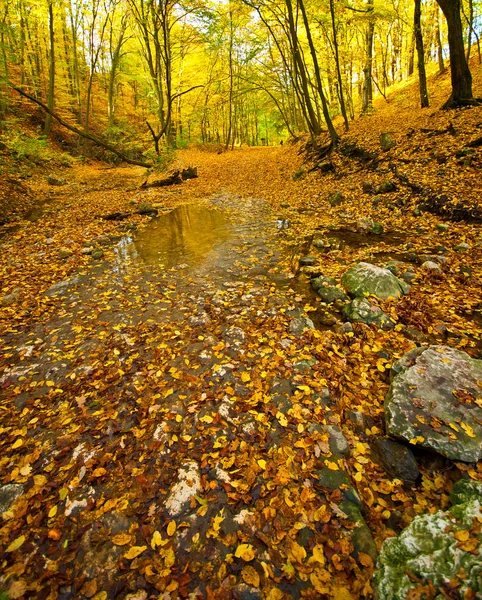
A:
x: 442, y: 227
x: 437, y: 387
x: 338, y: 442
x: 308, y: 260
x: 326, y: 318
x: 414, y: 334
x: 436, y: 258
x: 56, y: 181
x: 395, y: 267
x: 64, y: 253
x: 326, y: 288
x: 146, y: 208
x: 367, y: 187
x: 336, y: 198
x: 462, y: 247
x: 428, y: 551
x: 97, y: 254
x: 299, y: 324
x: 338, y: 480
x: 87, y: 250
x: 62, y: 286
x: 361, y: 536
x: 360, y: 310
x: 396, y: 459
x: 386, y: 187
x: 343, y: 328
x: 377, y: 229
x: 321, y: 243
x: 365, y: 278
x: 11, y: 298
x: 364, y: 226
x: 386, y: 142
x: 361, y: 421
x: 200, y: 320
x: 304, y: 365
x: 408, y: 276
x: 430, y: 265
x: 8, y: 494
x: 187, y: 485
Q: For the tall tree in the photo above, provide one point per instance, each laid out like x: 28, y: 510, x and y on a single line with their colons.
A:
x: 422, y: 76
x: 51, y: 89
x: 461, y: 77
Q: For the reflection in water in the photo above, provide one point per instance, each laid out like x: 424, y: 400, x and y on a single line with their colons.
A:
x: 184, y: 235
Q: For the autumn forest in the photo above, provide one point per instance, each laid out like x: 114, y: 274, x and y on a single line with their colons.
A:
x: 240, y: 299
x: 230, y: 73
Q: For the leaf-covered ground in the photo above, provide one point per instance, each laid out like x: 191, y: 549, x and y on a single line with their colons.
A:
x: 164, y: 431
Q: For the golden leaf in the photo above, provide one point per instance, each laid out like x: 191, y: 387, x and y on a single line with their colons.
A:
x: 318, y: 554
x: 121, y: 539
x: 250, y: 576
x: 171, y: 528
x: 262, y: 463
x: 52, y: 512
x: 462, y: 535
x: 296, y: 553
x: 15, y: 545
x: 134, y: 552
x: 18, y: 442
x: 245, y: 551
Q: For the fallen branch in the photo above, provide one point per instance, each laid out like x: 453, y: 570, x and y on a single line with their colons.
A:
x: 83, y: 134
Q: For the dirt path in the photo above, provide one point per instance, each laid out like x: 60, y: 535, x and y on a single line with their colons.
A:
x: 166, y: 426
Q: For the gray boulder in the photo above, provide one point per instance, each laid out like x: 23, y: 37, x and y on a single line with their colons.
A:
x: 8, y: 494
x: 367, y: 279
x: 435, y: 400
x: 431, y: 551
x: 299, y: 324
x: 361, y: 311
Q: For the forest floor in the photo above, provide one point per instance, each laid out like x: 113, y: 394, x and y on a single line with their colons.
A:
x: 166, y: 428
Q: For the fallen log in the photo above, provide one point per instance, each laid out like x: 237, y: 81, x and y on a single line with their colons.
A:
x: 174, y: 179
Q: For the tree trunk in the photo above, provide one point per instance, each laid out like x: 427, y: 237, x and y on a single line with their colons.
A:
x: 440, y: 57
x: 50, y: 96
x: 422, y: 77
x: 367, y: 100
x: 459, y: 69
x: 326, y: 113
x: 338, y: 69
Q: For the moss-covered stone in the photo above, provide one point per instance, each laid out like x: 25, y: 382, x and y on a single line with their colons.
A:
x: 365, y: 278
x: 361, y: 536
x: 428, y: 551
x: 361, y: 311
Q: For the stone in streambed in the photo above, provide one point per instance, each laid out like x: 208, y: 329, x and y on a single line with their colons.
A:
x: 360, y: 310
x: 430, y: 551
x: 396, y: 459
x: 365, y: 278
x: 435, y: 400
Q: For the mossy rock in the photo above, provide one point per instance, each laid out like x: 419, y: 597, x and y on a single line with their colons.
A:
x: 367, y: 279
x: 430, y: 551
